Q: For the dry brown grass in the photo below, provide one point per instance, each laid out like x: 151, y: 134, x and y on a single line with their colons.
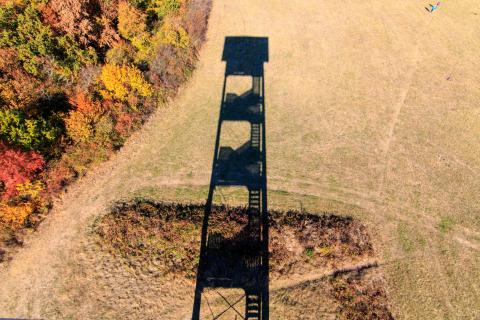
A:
x: 361, y: 119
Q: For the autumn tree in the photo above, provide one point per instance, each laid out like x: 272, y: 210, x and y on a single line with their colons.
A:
x: 163, y: 7
x: 84, y: 104
x: 80, y: 122
x: 18, y: 89
x: 131, y: 21
x: 84, y: 20
x: 30, y: 134
x: 158, y: 8
x: 168, y: 67
x: 172, y: 34
x: 79, y: 126
x: 24, y: 31
x: 121, y: 53
x: 121, y: 82
x: 74, y: 17
x: 17, y: 167
x: 195, y: 20
x: 89, y: 121
x: 15, y: 215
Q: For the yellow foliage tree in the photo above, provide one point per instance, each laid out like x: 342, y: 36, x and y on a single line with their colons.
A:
x: 79, y: 126
x: 131, y: 21
x: 172, y: 35
x: 30, y: 190
x: 29, y: 199
x: 15, y: 215
x: 123, y: 81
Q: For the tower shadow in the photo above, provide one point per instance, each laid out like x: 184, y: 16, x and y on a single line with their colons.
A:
x: 239, y: 261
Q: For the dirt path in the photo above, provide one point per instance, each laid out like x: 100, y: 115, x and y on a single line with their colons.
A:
x: 333, y: 85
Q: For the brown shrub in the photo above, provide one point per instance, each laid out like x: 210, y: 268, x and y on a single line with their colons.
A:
x: 359, y: 299
x: 195, y: 20
x: 80, y: 157
x: 74, y: 17
x: 87, y: 77
x: 143, y: 232
x: 58, y: 176
x: 125, y: 123
x: 168, y: 69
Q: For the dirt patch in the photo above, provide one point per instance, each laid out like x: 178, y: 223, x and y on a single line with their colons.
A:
x: 12, y: 238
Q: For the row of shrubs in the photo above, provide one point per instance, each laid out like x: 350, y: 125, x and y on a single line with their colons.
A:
x: 141, y: 231
x: 77, y: 77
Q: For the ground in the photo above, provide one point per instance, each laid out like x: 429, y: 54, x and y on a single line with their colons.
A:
x: 373, y: 110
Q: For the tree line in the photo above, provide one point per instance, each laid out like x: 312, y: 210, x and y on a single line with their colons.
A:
x: 77, y: 77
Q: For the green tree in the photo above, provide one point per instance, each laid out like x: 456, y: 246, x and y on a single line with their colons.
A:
x: 163, y: 7
x: 30, y: 134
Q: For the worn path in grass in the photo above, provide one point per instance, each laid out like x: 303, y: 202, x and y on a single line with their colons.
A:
x: 373, y: 109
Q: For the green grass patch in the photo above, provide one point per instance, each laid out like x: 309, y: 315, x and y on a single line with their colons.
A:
x: 446, y: 224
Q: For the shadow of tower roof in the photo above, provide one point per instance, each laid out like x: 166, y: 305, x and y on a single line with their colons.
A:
x: 245, y: 55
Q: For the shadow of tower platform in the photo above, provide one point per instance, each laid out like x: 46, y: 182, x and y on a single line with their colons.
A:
x: 239, y: 261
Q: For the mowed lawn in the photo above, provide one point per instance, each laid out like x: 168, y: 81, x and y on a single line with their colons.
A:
x: 373, y: 109
x: 370, y: 104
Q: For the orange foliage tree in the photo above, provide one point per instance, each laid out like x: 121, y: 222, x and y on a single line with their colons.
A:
x: 87, y: 106
x: 18, y: 89
x: 80, y: 122
x: 15, y: 215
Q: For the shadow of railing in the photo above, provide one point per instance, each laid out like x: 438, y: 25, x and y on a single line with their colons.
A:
x: 239, y: 261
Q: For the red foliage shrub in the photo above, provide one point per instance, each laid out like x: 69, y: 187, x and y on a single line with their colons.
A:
x: 125, y: 124
x: 17, y: 167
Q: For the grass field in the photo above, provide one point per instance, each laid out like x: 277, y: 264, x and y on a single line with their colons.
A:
x: 373, y: 110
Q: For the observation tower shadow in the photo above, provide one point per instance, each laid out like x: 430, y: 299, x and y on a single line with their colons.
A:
x: 238, y: 259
